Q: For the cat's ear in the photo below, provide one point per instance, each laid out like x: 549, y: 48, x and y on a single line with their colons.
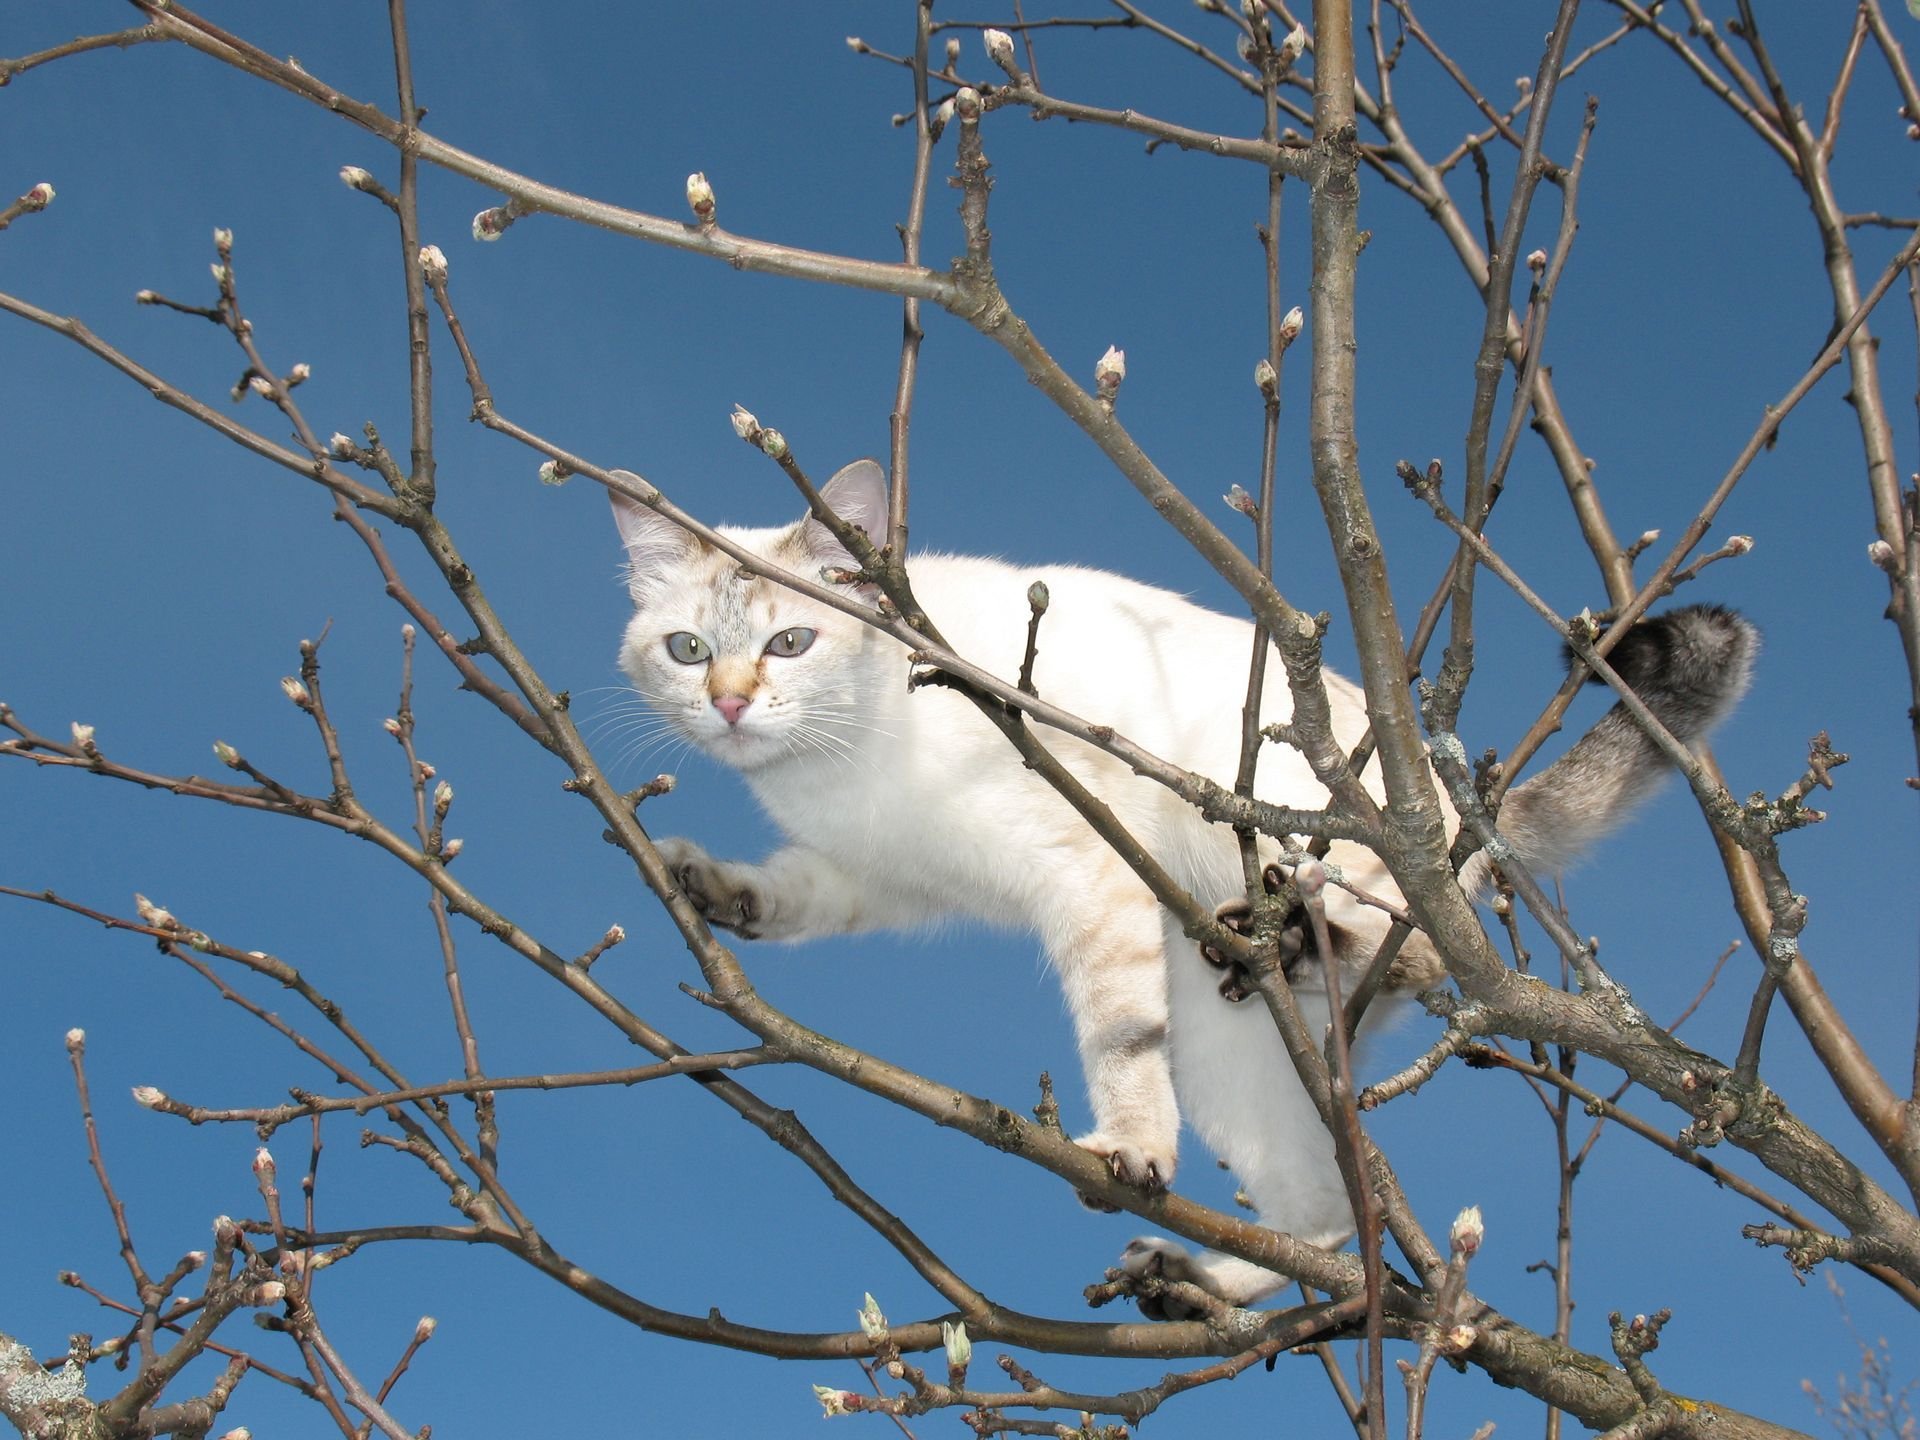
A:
x: 654, y: 543
x: 858, y: 495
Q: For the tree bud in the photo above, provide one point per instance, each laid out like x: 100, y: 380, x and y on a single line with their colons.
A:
x: 744, y: 424
x: 83, y: 735
x: 296, y: 692
x: 433, y: 262
x: 158, y: 916
x: 1290, y: 324
x: 354, y: 178
x: 76, y: 1040
x: 999, y: 47
x: 1468, y: 1231
x: 958, y: 1347
x: 1109, y: 370
x: 835, y: 1402
x: 552, y: 472
x: 1266, y: 378
x: 148, y: 1096
x: 872, y: 1323
x: 700, y: 197
x: 39, y: 197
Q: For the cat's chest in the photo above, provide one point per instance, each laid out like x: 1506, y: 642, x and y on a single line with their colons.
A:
x: 951, y: 821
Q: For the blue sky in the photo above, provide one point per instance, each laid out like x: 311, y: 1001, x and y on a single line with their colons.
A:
x: 158, y: 582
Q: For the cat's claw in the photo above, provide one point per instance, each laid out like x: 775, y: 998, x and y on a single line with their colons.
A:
x: 722, y: 891
x: 1130, y: 1163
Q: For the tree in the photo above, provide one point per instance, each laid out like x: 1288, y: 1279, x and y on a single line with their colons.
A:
x: 161, y: 576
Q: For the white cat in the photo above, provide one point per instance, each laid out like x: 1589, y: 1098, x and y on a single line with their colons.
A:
x: 901, y: 808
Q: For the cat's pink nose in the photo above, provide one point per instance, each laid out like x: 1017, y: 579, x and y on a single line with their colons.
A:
x: 731, y: 707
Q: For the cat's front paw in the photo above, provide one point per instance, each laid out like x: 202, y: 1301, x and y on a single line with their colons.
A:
x: 1162, y: 1259
x: 1131, y: 1161
x: 725, y: 892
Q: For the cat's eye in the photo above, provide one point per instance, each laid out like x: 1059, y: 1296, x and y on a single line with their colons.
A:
x: 687, y: 648
x: 790, y: 642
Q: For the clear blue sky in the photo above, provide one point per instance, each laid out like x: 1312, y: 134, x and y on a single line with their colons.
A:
x: 158, y: 581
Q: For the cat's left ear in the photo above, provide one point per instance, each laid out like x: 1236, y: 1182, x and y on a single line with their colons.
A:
x: 654, y: 543
x: 858, y: 495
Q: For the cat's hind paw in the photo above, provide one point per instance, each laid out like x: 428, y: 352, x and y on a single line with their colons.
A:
x: 725, y: 892
x: 1151, y: 1256
x: 1147, y: 1166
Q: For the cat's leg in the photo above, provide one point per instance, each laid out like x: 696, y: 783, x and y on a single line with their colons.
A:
x: 1106, y: 944
x: 794, y: 894
x: 1237, y: 1087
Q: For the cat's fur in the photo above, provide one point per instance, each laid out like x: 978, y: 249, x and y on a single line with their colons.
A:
x: 901, y: 808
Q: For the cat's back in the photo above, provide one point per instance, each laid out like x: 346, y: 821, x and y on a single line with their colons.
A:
x: 1152, y: 663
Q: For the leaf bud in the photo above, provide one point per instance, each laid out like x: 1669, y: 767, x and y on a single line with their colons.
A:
x: 260, y: 386
x: 340, y: 446
x: 226, y: 754
x: 148, y: 1096
x: 1109, y: 370
x: 700, y: 197
x: 744, y: 424
x: 83, y: 735
x: 451, y: 848
x: 433, y: 263
x: 552, y: 472
x: 158, y: 916
x: 1290, y: 325
x: 39, y: 197
x: 1468, y: 1231
x: 296, y: 692
x: 1266, y: 378
x: 424, y: 1330
x: 834, y: 1402
x: 76, y: 1040
x: 354, y: 178
x: 999, y: 47
x: 872, y: 1323
x: 958, y: 1347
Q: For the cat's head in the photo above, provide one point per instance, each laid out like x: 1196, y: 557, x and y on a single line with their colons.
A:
x: 748, y: 670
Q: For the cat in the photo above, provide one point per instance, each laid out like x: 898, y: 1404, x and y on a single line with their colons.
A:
x: 904, y: 808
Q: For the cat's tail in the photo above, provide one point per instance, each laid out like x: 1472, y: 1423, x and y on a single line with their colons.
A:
x: 1690, y: 666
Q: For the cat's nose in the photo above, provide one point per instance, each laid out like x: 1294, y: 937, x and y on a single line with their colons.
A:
x: 731, y: 707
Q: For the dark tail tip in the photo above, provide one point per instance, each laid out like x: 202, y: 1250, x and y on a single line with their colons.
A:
x: 1690, y: 665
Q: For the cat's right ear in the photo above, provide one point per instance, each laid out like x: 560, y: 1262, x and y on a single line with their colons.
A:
x: 858, y: 495
x: 655, y: 545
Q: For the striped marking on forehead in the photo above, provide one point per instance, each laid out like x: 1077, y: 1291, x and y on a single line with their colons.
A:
x: 735, y: 606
